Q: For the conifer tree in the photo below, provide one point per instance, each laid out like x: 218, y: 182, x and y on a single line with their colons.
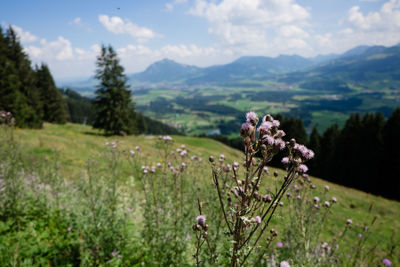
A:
x: 115, y: 112
x: 54, y: 109
x: 19, y: 94
x: 391, y: 166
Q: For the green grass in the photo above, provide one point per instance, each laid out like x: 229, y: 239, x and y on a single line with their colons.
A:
x: 75, y: 144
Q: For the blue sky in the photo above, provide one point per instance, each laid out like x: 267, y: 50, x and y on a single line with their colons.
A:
x: 67, y: 35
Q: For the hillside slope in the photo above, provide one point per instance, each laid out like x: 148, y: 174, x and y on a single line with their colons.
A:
x: 74, y: 144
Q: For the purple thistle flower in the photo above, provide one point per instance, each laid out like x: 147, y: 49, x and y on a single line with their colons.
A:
x: 387, y: 262
x: 302, y: 168
x: 334, y: 200
x: 201, y: 219
x: 265, y: 169
x: 280, y: 144
x: 298, y: 197
x: 246, y: 129
x: 252, y: 118
x: 316, y: 199
x: 258, y: 219
x: 264, y: 127
x: 327, y: 204
x: 360, y: 235
x: 284, y: 264
x: 326, y: 188
x: 132, y: 152
x: 276, y: 123
x: 115, y: 253
x: 269, y: 140
x: 349, y: 221
x: 285, y: 160
x: 279, y: 244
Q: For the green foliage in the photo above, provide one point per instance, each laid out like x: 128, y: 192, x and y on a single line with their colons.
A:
x: 80, y: 109
x: 30, y: 95
x: 53, y: 105
x: 115, y: 112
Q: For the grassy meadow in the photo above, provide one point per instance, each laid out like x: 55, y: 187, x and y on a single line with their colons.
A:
x: 72, y: 146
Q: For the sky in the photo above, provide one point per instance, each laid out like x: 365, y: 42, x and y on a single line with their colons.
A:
x: 67, y: 35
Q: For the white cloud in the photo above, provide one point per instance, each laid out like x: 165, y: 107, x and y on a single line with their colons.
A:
x: 171, y: 5
x: 25, y: 36
x: 117, y: 25
x: 253, y: 25
x: 77, y: 20
x: 386, y: 19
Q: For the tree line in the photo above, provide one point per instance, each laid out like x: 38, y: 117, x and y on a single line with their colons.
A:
x: 29, y: 93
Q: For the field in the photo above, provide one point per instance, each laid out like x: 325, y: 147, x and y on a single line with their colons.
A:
x: 73, y: 145
x: 216, y: 108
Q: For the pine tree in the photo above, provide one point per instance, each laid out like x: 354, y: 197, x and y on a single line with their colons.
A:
x: 391, y: 166
x: 26, y: 106
x: 54, y: 109
x: 115, y: 112
x: 315, y: 145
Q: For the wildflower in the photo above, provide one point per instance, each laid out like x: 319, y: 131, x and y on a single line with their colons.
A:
x: 183, y: 146
x: 252, y: 118
x: 334, y: 200
x: 316, y: 199
x: 158, y: 164
x: 132, y: 152
x: 287, y: 245
x: 288, y: 194
x: 360, y: 235
x: 349, y: 221
x: 236, y: 164
x: 327, y: 204
x: 302, y: 168
x: 387, y: 262
x: 268, y: 140
x: 265, y: 169
x: 267, y: 198
x: 246, y: 130
x: 211, y: 159
x: 280, y: 134
x: 324, y: 245
x: 107, y: 143
x: 201, y: 219
x: 285, y: 160
x: 258, y: 219
x: 69, y: 229
x: 115, y: 253
x: 264, y: 128
x: 326, y: 188
x: 279, y: 244
x: 276, y: 123
x: 284, y: 264
x: 279, y: 144
x: 281, y: 203
x: 316, y: 206
x: 298, y: 197
x: 137, y: 148
x: 168, y: 138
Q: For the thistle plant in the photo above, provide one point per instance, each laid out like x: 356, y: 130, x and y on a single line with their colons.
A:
x: 247, y: 209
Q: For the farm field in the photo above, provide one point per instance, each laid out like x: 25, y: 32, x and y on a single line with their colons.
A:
x: 215, y: 108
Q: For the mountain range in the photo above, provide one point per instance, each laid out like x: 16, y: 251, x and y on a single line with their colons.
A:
x: 360, y: 64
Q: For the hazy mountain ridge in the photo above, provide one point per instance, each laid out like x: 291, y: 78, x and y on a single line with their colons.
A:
x: 362, y: 63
